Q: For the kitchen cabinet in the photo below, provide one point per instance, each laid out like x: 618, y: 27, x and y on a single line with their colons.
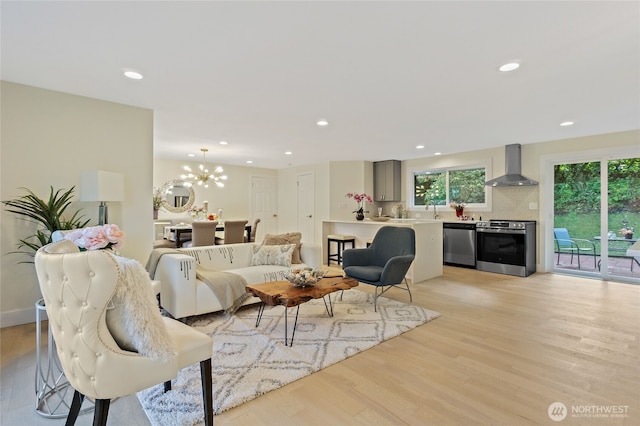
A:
x: 386, y: 180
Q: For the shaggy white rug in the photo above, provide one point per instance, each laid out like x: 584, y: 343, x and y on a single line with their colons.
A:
x: 248, y: 361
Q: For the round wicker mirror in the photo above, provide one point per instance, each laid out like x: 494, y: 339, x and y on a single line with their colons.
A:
x: 177, y: 197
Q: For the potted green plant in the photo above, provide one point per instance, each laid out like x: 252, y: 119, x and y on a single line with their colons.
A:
x: 47, y: 214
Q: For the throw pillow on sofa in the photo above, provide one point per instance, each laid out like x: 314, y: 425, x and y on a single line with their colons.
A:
x: 272, y: 255
x: 288, y: 238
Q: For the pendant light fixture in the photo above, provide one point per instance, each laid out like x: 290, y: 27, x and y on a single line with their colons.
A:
x: 202, y: 176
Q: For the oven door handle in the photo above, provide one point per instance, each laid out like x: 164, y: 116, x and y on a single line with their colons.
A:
x: 501, y: 231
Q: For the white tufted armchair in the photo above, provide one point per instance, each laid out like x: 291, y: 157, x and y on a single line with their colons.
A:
x: 77, y: 287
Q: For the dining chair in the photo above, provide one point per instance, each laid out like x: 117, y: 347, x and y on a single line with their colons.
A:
x: 203, y: 233
x: 566, y: 244
x: 252, y: 237
x: 78, y: 290
x: 233, y: 232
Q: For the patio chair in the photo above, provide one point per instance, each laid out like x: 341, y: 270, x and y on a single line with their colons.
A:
x: 566, y: 244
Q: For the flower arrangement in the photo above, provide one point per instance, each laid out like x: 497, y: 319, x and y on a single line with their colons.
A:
x: 195, y: 211
x: 97, y: 237
x: 360, y: 198
x: 157, y: 199
x: 457, y: 206
x: 304, y: 277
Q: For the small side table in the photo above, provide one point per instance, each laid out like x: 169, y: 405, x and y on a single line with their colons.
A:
x: 53, y: 391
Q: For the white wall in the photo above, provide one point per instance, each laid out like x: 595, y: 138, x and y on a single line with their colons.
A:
x: 47, y: 139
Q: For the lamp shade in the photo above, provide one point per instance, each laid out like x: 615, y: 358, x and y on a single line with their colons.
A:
x: 98, y: 185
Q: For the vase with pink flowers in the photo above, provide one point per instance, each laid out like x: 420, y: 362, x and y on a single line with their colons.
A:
x: 102, y: 237
x: 360, y: 199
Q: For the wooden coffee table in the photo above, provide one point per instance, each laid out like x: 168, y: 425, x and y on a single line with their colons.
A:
x: 286, y: 294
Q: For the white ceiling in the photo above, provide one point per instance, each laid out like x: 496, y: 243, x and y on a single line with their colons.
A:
x: 386, y: 75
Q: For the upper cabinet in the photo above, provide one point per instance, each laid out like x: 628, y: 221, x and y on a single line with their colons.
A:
x: 386, y: 180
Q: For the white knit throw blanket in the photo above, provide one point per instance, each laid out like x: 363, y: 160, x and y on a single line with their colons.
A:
x: 135, y: 320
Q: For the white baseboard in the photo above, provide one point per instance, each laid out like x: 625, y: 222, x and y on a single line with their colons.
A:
x: 19, y: 317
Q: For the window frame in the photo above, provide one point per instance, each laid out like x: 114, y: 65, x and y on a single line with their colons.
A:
x: 478, y: 207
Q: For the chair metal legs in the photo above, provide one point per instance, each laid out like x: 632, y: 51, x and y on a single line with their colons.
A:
x: 384, y: 290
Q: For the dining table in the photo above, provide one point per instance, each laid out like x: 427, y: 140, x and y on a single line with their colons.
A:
x: 622, y: 247
x: 174, y: 232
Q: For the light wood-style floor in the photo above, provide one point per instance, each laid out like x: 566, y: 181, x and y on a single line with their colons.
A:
x: 504, y: 349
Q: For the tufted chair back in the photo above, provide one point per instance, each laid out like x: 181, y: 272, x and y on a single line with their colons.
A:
x: 77, y: 288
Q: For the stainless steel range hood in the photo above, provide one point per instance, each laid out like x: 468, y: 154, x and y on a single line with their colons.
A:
x: 513, y: 167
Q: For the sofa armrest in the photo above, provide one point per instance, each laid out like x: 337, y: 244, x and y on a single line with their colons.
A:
x: 311, y: 255
x: 177, y: 275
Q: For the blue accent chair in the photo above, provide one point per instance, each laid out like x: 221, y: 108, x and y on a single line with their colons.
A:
x: 385, y: 262
x: 566, y: 244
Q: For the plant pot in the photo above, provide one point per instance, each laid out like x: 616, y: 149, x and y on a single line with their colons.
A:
x: 628, y: 236
x: 359, y: 215
x: 155, y: 214
x: 459, y: 212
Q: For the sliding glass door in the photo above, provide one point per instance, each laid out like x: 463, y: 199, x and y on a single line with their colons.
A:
x: 597, y: 217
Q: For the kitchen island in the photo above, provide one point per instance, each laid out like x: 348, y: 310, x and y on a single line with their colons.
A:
x: 428, y: 261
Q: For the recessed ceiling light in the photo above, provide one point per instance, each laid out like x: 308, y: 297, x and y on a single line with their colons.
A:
x: 288, y: 153
x: 322, y: 122
x: 509, y: 67
x: 419, y: 146
x: 133, y: 75
x: 567, y: 123
x: 437, y: 153
x: 191, y: 155
x: 249, y: 161
x: 224, y: 143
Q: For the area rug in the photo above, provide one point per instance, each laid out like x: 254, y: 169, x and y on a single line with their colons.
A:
x: 249, y: 361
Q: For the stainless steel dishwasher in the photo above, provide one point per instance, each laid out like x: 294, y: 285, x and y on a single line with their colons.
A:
x: 459, y: 244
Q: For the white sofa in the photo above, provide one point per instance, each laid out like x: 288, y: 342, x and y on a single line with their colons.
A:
x: 183, y: 295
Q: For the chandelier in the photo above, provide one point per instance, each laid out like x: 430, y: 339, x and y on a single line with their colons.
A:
x: 202, y: 176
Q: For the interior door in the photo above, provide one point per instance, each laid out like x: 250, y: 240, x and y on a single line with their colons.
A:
x: 264, y: 205
x: 306, y: 206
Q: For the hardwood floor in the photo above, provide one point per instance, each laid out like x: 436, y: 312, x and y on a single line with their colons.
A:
x: 504, y: 349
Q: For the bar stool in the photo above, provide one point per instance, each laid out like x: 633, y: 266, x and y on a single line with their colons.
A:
x: 340, y: 241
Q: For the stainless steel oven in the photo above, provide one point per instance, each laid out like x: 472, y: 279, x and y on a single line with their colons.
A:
x: 506, y: 247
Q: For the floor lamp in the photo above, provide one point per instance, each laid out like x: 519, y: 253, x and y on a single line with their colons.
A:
x: 98, y: 185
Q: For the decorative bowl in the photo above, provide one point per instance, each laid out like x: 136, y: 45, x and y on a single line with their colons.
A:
x: 305, y: 277
x: 380, y: 218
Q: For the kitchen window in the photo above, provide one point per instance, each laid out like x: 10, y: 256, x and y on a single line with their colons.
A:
x: 447, y: 185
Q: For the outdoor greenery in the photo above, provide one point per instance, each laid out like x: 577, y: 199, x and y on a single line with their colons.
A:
x: 47, y: 215
x: 577, y: 187
x: 465, y: 186
x: 577, y: 197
